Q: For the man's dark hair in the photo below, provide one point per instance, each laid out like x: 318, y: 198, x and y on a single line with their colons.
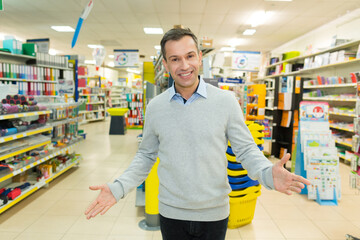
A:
x: 176, y: 34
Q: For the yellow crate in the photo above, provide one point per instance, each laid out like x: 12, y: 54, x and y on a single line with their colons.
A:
x: 235, y: 173
x: 242, y: 210
x: 249, y: 190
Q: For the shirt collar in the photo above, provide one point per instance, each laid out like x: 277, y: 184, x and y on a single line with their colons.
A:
x: 201, y: 89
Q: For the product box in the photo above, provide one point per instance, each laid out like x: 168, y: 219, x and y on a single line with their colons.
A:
x: 29, y: 49
x: 22, y: 177
x: 82, y: 71
x: 10, y: 44
x: 82, y: 82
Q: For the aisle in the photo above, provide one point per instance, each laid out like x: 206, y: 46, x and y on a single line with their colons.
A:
x: 57, y: 212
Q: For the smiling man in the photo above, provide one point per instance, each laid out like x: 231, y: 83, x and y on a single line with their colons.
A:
x: 188, y: 127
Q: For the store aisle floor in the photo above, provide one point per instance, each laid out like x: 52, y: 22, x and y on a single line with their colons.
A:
x: 57, y: 212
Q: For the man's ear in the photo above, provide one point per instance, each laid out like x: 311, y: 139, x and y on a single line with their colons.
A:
x: 165, y: 65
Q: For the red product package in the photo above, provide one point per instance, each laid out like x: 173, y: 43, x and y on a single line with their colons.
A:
x: 14, y: 193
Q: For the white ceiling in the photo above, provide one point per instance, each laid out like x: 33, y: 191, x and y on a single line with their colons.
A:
x: 122, y: 21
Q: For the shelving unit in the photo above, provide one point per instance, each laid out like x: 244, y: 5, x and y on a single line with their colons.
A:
x: 117, y: 98
x: 95, y: 101
x: 324, y: 77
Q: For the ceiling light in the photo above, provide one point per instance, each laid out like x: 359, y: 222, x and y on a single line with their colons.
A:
x: 52, y: 51
x: 278, y: 0
x: 157, y: 47
x: 111, y: 64
x: 249, y: 32
x: 89, y: 61
x: 153, y: 57
x: 111, y: 56
x: 63, y: 28
x: 227, y: 49
x: 95, y: 46
x: 259, y: 18
x: 153, y: 30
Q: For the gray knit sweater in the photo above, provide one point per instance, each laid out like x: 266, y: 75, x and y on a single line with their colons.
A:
x: 191, y: 141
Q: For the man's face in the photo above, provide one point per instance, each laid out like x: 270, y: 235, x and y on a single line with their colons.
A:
x: 183, y: 62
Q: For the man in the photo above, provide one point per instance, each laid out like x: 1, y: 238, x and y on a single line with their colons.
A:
x: 188, y: 128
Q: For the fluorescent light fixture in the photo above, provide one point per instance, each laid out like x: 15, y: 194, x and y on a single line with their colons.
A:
x: 52, y: 51
x: 249, y: 32
x: 111, y: 64
x: 90, y: 62
x: 111, y: 56
x: 153, y: 57
x: 259, y: 18
x: 157, y: 47
x: 278, y: 0
x: 95, y: 46
x: 63, y: 28
x: 153, y: 30
x: 227, y: 49
x: 133, y: 71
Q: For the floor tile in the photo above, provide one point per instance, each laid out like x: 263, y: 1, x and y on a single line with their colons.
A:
x: 39, y: 236
x: 68, y: 208
x: 285, y: 212
x: 300, y: 229
x: 338, y: 229
x: 261, y: 229
x: 128, y: 226
x: 8, y: 235
x: 83, y: 236
x: 18, y: 223
x: 52, y: 224
x: 100, y: 225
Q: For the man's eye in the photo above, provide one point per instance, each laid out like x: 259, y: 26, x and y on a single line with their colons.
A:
x: 191, y: 56
x: 174, y: 60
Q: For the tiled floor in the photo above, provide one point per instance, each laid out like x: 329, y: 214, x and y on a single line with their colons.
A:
x: 56, y: 212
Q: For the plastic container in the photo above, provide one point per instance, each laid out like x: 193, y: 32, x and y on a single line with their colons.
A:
x: 244, y: 185
x: 117, y: 111
x: 249, y: 190
x: 236, y: 173
x: 242, y: 210
x: 235, y: 166
x: 239, y: 179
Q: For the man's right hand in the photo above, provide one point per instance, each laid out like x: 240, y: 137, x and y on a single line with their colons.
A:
x: 103, y: 202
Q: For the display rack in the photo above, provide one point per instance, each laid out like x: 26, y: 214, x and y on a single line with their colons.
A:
x: 94, y: 101
x: 324, y: 75
x: 117, y: 97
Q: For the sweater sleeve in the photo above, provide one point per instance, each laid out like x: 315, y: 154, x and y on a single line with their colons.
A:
x: 142, y: 163
x: 245, y: 149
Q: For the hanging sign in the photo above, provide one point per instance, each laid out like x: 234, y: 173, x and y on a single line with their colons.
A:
x: 124, y: 58
x: 246, y: 61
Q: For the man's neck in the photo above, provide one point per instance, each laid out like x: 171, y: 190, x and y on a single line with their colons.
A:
x: 186, y: 93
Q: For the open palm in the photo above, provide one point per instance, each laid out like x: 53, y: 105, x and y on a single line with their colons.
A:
x: 285, y: 181
x: 102, y: 203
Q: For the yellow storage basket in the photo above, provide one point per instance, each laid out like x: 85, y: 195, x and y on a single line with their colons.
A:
x: 235, y: 173
x: 117, y: 111
x: 242, y: 210
x: 249, y: 191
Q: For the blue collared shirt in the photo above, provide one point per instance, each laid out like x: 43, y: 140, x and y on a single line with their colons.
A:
x: 200, y: 92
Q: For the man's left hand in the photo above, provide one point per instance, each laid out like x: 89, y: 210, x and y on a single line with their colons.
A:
x: 285, y: 181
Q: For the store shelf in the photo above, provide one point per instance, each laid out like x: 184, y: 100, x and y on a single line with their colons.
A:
x: 115, y: 98
x: 16, y: 56
x: 269, y: 108
x: 94, y: 120
x: 330, y: 99
x: 269, y: 117
x: 2, y: 157
x: 25, y: 114
x: 100, y: 110
x: 84, y: 111
x: 342, y: 46
x: 331, y: 85
x: 343, y: 114
x: 27, y: 80
x: 25, y: 134
x: 343, y: 143
x: 55, y: 67
x: 268, y: 98
x: 341, y: 128
x: 331, y: 65
x: 6, y: 176
x: 101, y: 95
x: 343, y: 157
x: 94, y: 103
x: 36, y: 187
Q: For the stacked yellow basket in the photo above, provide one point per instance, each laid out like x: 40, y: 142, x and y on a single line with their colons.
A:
x: 244, y: 190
